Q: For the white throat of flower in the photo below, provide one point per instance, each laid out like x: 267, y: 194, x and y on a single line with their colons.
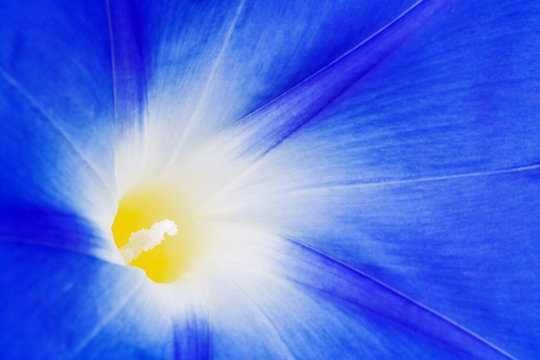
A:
x: 147, y: 239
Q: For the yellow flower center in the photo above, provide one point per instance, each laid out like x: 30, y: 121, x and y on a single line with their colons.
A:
x: 155, y: 231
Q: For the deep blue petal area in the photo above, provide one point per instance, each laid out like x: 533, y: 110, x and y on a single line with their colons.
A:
x: 425, y: 173
x: 54, y: 228
x: 56, y: 111
x: 62, y: 305
x: 129, y: 57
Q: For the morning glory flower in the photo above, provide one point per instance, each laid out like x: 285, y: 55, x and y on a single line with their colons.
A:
x: 270, y: 179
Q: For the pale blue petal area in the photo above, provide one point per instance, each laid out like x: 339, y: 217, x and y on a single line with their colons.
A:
x: 288, y: 301
x: 56, y: 110
x: 62, y: 305
x: 211, y: 63
x: 425, y: 173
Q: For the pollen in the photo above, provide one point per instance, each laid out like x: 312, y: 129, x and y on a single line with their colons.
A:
x: 155, y: 231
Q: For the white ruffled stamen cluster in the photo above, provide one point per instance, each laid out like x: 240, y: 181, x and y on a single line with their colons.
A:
x: 147, y: 239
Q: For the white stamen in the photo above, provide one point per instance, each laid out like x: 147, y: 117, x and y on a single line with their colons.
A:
x: 147, y: 239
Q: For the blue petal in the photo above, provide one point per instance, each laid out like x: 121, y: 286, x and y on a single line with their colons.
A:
x: 62, y: 305
x: 57, y: 129
x: 424, y: 174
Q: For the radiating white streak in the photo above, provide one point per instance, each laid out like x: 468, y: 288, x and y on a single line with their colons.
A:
x: 203, y: 98
x: 406, y: 181
x: 437, y: 178
x: 236, y: 196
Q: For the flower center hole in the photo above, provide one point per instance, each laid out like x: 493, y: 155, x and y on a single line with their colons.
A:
x: 154, y: 230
